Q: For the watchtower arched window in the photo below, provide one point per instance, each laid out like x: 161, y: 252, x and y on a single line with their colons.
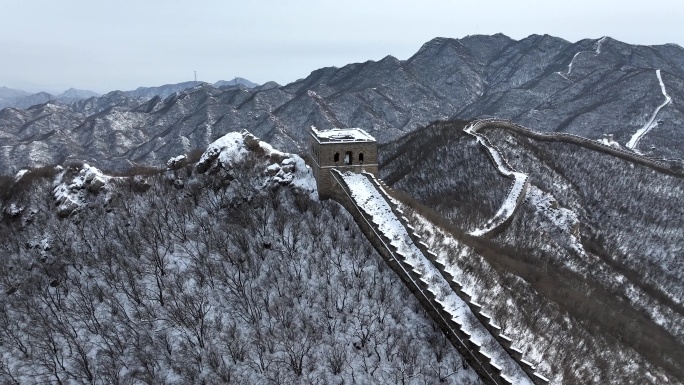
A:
x: 360, y: 157
x: 348, y: 157
x: 337, y: 157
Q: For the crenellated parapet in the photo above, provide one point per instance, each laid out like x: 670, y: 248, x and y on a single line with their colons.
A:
x: 476, y: 308
x: 401, y: 254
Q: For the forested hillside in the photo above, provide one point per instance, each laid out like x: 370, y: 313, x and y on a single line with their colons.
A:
x: 225, y: 269
x: 595, y: 245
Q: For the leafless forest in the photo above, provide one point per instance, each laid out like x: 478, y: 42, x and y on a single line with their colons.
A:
x: 223, y: 277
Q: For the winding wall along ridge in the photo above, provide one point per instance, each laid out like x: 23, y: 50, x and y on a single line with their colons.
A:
x: 634, y: 141
x: 517, y: 191
x: 489, y: 372
x: 504, y: 215
x: 658, y: 165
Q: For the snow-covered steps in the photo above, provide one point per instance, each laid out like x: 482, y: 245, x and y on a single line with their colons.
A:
x: 651, y: 123
x: 472, y: 332
x: 475, y: 307
x: 516, y: 192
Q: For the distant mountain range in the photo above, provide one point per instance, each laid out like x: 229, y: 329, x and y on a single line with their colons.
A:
x: 168, y: 89
x: 22, y: 99
x: 235, y: 82
x: 594, y: 88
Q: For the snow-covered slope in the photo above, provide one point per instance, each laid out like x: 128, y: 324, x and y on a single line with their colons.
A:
x: 587, y: 270
x: 221, y: 270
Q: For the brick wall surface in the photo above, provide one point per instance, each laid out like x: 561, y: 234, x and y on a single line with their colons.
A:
x: 323, y: 160
x: 489, y: 372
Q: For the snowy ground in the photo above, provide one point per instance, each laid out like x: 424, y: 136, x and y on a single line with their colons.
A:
x: 371, y: 201
x: 596, y: 52
x: 651, y: 123
x: 518, y: 189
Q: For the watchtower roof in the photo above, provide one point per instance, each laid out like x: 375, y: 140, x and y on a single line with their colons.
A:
x: 340, y: 135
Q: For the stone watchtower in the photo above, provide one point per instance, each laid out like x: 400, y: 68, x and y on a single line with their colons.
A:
x: 344, y: 149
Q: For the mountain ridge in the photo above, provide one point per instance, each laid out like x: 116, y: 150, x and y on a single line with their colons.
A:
x: 21, y: 99
x: 592, y: 88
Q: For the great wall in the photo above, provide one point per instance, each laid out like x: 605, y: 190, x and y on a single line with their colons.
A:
x: 515, y: 194
x: 669, y: 167
x: 482, y: 343
x: 469, y: 328
x: 355, y: 185
x: 517, y: 191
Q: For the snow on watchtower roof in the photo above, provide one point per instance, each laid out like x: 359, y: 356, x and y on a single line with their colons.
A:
x: 337, y: 135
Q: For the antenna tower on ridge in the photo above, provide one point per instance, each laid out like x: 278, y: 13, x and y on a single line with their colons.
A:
x: 195, y: 75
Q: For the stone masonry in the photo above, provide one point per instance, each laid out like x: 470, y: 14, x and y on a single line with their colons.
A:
x: 349, y: 149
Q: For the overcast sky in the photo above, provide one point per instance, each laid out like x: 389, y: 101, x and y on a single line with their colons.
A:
x: 103, y: 45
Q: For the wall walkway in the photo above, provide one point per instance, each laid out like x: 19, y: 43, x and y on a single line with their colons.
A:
x: 516, y: 194
x: 481, y: 342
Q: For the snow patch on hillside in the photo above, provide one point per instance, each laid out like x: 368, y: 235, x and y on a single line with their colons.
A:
x: 561, y: 218
x: 20, y: 175
x: 651, y: 123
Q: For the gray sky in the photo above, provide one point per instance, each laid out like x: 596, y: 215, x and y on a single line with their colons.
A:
x: 103, y: 45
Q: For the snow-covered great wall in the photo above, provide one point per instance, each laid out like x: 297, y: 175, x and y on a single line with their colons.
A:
x: 670, y: 167
x: 521, y: 181
x: 634, y: 141
x: 515, y: 194
x: 481, y: 342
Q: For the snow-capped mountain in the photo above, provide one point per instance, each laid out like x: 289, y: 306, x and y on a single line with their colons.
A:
x: 591, y: 88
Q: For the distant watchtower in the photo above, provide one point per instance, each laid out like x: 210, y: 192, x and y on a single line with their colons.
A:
x: 347, y: 149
